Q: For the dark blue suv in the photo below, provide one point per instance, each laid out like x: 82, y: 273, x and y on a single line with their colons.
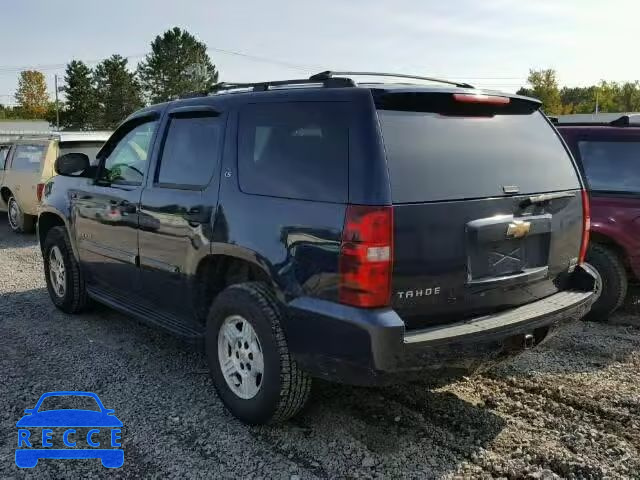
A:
x: 359, y: 232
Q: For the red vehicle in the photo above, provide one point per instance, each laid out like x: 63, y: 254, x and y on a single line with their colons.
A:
x: 607, y: 150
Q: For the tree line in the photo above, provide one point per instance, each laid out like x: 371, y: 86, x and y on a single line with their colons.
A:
x: 605, y: 96
x: 103, y: 96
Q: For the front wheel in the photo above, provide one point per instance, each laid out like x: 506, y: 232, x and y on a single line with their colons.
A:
x: 250, y: 364
x: 612, y: 284
x: 62, y: 272
x: 19, y: 221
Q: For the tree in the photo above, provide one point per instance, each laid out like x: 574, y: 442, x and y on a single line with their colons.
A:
x: 81, y: 102
x: 32, y: 95
x: 578, y: 99
x: 629, y: 97
x: 178, y: 64
x: 544, y: 86
x: 118, y: 91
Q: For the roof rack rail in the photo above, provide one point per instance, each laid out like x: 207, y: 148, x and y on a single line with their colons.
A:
x: 626, y: 121
x: 595, y: 120
x: 264, y: 86
x: 328, y: 79
x: 329, y: 74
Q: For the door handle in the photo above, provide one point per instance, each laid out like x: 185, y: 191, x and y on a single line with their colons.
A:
x: 127, y: 207
x: 195, y: 216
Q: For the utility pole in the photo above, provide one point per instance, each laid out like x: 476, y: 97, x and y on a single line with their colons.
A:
x: 597, y: 106
x: 55, y: 80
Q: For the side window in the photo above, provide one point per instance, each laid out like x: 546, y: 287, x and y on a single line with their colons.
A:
x: 27, y: 158
x: 611, y: 166
x: 190, y: 151
x: 127, y: 162
x: 295, y: 150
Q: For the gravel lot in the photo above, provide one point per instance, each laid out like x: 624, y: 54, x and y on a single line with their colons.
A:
x: 568, y: 409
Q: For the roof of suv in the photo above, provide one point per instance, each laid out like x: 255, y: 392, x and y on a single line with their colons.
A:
x: 324, y: 82
x: 598, y: 121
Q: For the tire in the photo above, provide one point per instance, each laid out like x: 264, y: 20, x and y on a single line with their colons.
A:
x: 73, y: 297
x: 19, y: 221
x: 283, y: 388
x: 614, y: 282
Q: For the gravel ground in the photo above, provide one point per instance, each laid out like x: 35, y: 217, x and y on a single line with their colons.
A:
x: 568, y: 409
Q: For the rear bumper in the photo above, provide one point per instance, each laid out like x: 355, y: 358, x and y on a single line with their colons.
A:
x: 368, y: 347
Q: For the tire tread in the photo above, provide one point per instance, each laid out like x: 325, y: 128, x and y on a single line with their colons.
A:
x: 616, y: 283
x: 296, y: 384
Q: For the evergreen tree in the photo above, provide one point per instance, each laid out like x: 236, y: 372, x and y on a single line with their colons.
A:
x: 117, y: 90
x: 178, y: 64
x: 81, y: 110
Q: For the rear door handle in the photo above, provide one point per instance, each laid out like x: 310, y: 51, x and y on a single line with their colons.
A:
x: 127, y: 207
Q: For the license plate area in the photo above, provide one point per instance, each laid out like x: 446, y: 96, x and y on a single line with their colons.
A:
x: 494, y: 252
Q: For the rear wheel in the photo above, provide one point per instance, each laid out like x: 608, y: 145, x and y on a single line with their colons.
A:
x: 18, y: 220
x: 612, y: 282
x: 62, y: 272
x: 250, y: 364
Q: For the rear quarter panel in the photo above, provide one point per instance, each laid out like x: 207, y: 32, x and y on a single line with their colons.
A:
x: 618, y: 220
x: 297, y: 242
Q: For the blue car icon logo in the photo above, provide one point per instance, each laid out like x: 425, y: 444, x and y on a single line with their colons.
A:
x: 73, y: 428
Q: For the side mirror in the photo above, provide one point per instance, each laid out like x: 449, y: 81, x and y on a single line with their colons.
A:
x: 72, y: 164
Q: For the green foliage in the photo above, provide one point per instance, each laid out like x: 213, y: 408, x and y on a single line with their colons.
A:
x: 32, y: 94
x: 81, y: 111
x: 545, y: 87
x: 178, y: 64
x: 609, y: 96
x: 117, y: 90
x: 10, y: 113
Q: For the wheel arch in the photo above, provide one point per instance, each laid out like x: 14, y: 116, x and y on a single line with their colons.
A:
x: 607, y: 241
x: 50, y: 218
x: 5, y: 193
x: 226, y: 267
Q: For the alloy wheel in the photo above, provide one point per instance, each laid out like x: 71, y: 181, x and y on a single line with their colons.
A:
x: 240, y: 356
x: 57, y: 272
x: 13, y: 213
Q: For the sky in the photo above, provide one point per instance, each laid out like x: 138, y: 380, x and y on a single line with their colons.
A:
x: 488, y: 43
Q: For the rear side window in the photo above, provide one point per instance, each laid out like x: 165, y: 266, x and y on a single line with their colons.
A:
x: 190, y: 151
x: 295, y: 150
x: 435, y: 157
x: 90, y: 149
x: 27, y: 158
x: 611, y: 166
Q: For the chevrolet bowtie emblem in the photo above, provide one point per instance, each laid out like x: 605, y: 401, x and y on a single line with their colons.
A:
x: 518, y: 229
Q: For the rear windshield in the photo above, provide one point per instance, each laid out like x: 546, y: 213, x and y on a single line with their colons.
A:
x: 90, y: 149
x: 611, y: 166
x: 434, y: 157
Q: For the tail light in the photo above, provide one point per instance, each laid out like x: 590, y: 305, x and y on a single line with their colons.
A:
x: 586, y: 226
x: 39, y: 191
x: 366, y: 254
x: 486, y: 99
